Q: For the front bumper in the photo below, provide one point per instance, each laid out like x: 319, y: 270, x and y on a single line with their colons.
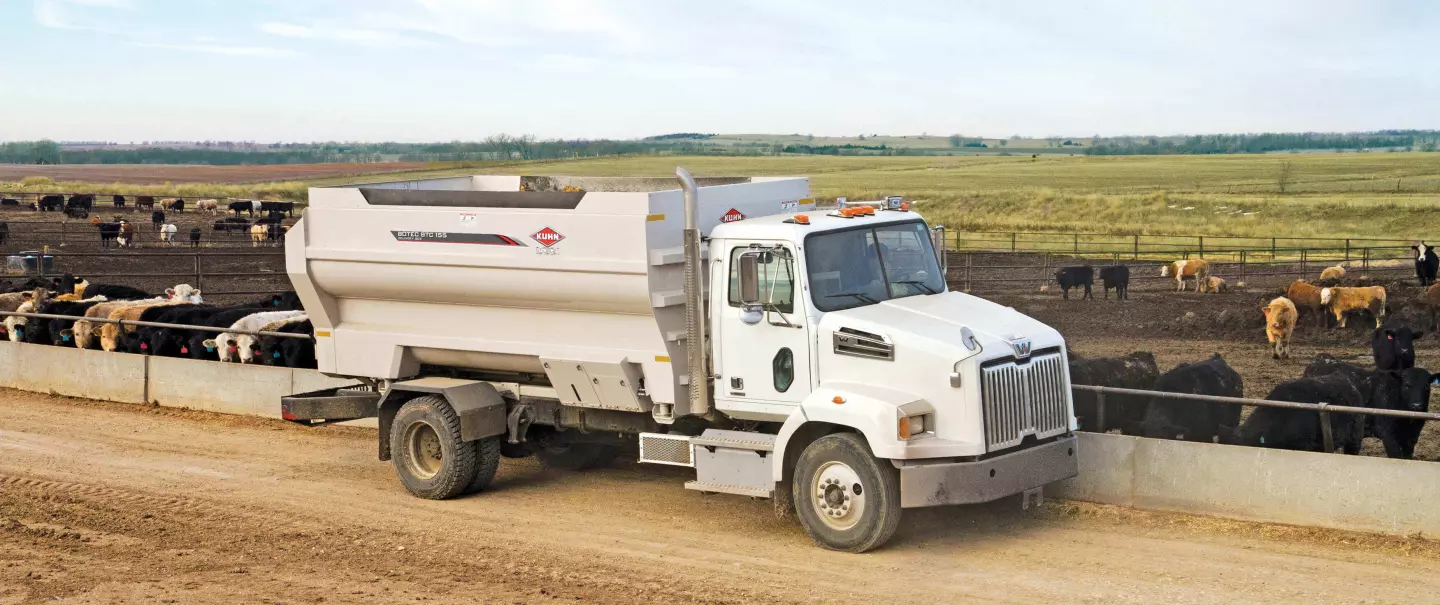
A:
x: 942, y: 483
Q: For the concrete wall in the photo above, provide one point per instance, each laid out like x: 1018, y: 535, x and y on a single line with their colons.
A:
x: 1357, y: 493
x: 1301, y: 488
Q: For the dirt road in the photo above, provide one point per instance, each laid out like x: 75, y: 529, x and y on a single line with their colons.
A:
x: 108, y: 503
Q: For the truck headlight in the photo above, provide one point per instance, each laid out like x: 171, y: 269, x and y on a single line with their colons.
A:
x: 912, y: 426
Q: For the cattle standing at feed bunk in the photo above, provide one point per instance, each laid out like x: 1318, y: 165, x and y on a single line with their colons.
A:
x: 1125, y: 412
x: 1344, y: 300
x: 1394, y: 350
x: 1197, y: 269
x: 1280, y: 317
x: 227, y: 343
x: 1294, y: 429
x: 1426, y: 263
x: 1201, y: 421
x: 1076, y: 277
x: 1117, y: 277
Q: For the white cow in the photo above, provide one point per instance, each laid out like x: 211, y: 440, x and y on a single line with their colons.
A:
x: 227, y: 343
x: 167, y: 233
x: 185, y: 292
x: 246, y: 342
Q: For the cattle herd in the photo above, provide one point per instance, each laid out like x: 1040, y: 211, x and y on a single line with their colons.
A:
x: 81, y: 303
x: 268, y: 228
x: 1393, y: 384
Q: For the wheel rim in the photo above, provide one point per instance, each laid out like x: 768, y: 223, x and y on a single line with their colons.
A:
x: 422, y: 444
x: 837, y: 495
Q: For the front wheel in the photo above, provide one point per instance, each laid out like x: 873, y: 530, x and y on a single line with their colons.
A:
x: 847, y: 499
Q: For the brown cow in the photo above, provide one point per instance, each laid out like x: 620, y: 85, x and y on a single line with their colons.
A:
x: 1199, y: 269
x: 1343, y: 300
x: 1280, y: 316
x: 1307, y: 297
x: 1216, y: 285
x: 85, y: 331
x: 1333, y: 274
x: 110, y: 333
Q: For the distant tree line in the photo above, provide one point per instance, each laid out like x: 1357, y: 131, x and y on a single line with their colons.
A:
x: 1268, y: 142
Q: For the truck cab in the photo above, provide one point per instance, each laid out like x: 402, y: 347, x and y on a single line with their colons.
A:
x: 815, y: 357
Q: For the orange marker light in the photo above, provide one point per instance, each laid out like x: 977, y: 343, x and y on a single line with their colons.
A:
x: 801, y: 219
x: 838, y: 400
x: 867, y: 210
x: 904, y: 207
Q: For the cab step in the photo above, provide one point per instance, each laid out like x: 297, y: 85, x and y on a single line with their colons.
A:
x: 725, y: 462
x: 726, y: 488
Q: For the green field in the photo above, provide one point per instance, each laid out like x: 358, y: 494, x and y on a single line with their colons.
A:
x: 1390, y: 195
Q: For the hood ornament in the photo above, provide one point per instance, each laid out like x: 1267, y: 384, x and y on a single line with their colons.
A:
x: 1021, y: 346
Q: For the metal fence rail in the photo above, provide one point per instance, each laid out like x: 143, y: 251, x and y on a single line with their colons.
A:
x: 155, y: 324
x: 1324, y: 409
x: 1106, y: 243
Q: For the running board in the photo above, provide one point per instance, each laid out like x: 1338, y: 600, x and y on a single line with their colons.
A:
x: 725, y: 488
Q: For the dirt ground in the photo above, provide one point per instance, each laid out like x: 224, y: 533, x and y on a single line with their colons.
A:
x: 150, y: 174
x: 130, y: 504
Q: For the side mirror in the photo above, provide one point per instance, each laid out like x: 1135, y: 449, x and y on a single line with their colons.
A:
x: 750, y: 279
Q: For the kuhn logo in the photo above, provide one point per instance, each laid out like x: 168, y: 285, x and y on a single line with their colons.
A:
x: 732, y: 216
x: 547, y: 237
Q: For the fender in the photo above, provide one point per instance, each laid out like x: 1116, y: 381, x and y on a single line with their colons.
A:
x: 480, y: 407
x: 871, y: 410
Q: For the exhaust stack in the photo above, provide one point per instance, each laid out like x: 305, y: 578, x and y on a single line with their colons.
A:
x: 696, y: 363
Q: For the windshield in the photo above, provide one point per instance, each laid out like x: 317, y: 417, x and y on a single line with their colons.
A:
x: 859, y: 267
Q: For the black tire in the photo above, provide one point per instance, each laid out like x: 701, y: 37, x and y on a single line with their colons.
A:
x: 487, y: 461
x: 429, y: 456
x: 562, y: 454
x: 838, y: 459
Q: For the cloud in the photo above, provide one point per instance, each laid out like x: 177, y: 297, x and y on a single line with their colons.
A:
x: 62, y: 14
x: 362, y: 37
x: 215, y: 49
x: 206, y: 39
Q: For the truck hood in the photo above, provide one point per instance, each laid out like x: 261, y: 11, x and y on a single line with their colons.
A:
x: 940, y: 317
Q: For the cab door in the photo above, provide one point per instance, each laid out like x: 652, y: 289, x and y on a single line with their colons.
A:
x: 765, y: 345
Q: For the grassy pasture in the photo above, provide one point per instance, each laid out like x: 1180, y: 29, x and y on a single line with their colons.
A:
x: 1386, y: 195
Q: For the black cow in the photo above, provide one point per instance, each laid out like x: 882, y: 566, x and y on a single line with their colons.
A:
x: 195, y: 237
x: 1195, y: 420
x: 288, y: 301
x: 271, y: 218
x: 1426, y: 263
x: 1117, y: 277
x: 1394, y: 350
x: 1125, y: 412
x: 1404, y: 390
x: 115, y: 292
x: 194, y: 340
x: 173, y: 342
x: 232, y: 223
x: 9, y: 202
x: 274, y: 232
x: 1075, y: 277
x: 119, y: 201
x: 287, y: 208
x: 242, y: 206
x: 293, y: 352
x: 157, y: 218
x: 84, y: 202
x: 37, y: 331
x: 52, y: 203
x: 144, y: 202
x: 108, y: 233
x: 77, y: 213
x: 60, y: 331
x: 1292, y: 429
x: 4, y: 232
x: 144, y: 339
x: 178, y: 205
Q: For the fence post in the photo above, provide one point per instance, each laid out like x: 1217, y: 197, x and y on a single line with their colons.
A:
x: 1365, y: 263
x: 1304, y: 263
x: 1137, y: 248
x: 198, y: 284
x: 968, y: 255
x: 1077, y: 243
x: 1100, y: 412
x: 1202, y: 246
x: 1347, y: 250
x: 1272, y: 248
x: 64, y: 227
x: 1325, y: 433
x: 1243, y: 257
x: 1012, y: 241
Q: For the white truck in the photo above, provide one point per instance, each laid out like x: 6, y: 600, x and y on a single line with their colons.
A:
x: 814, y: 357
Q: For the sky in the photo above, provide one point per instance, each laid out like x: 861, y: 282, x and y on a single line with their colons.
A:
x: 440, y: 70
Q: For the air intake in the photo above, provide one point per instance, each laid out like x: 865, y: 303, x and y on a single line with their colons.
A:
x: 675, y: 450
x: 849, y: 341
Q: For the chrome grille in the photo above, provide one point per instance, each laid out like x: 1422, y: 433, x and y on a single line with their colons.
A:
x: 1021, y: 400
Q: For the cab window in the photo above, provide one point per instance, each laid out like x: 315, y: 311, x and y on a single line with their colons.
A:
x: 777, y: 279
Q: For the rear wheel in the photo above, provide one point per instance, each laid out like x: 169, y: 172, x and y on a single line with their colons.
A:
x: 846, y: 498
x: 429, y: 456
